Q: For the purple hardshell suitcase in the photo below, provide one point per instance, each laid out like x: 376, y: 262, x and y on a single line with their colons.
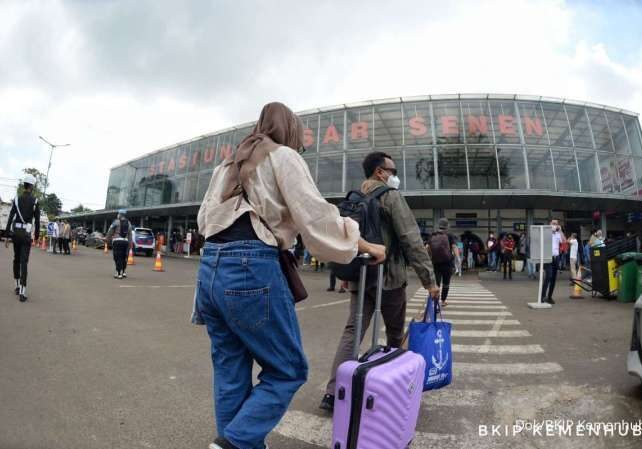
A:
x: 378, y: 396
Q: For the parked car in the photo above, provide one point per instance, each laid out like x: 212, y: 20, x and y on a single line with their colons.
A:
x: 96, y: 240
x: 143, y: 241
x: 634, y: 361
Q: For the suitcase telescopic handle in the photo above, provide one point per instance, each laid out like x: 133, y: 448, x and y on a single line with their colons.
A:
x: 365, y: 258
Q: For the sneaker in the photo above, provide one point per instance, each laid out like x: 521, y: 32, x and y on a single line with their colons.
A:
x: 17, y: 290
x: 327, y: 403
x: 23, y: 294
x: 120, y: 276
x: 221, y: 443
x: 124, y: 274
x: 342, y: 290
x: 329, y: 289
x: 550, y: 301
x: 116, y: 274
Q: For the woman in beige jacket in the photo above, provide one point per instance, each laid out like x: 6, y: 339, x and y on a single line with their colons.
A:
x: 256, y: 204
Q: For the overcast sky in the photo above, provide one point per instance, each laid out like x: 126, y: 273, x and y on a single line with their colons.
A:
x: 118, y: 79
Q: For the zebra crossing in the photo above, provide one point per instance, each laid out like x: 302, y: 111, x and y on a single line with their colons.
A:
x: 478, y: 319
x: 490, y: 348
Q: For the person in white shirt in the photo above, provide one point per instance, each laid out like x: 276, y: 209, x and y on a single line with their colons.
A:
x: 574, y: 246
x: 551, y: 268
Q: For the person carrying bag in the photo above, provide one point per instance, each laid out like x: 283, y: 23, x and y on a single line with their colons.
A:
x: 431, y: 338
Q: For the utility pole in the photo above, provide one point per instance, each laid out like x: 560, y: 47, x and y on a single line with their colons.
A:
x: 52, y: 146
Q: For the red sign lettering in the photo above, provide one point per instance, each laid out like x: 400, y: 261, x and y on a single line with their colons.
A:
x: 308, y: 137
x: 226, y: 151
x: 171, y: 165
x: 507, y: 125
x: 359, y: 131
x: 195, y: 157
x: 208, y: 156
x: 533, y: 126
x: 417, y: 126
x: 449, y: 125
x: 477, y: 125
x: 182, y: 162
x: 331, y: 135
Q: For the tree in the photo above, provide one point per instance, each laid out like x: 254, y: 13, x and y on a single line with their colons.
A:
x: 80, y: 208
x: 40, y: 182
x: 51, y: 205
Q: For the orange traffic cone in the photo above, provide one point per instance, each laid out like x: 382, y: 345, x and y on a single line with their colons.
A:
x: 130, y: 258
x: 577, y: 290
x: 158, y: 264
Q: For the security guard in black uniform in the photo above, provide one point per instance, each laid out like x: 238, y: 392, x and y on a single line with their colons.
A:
x: 24, y: 211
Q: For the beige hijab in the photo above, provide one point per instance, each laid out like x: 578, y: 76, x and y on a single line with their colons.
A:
x: 277, y: 126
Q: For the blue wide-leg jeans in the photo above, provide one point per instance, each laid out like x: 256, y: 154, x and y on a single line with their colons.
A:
x: 244, y: 300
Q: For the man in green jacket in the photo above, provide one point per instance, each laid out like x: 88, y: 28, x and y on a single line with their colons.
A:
x: 404, y: 246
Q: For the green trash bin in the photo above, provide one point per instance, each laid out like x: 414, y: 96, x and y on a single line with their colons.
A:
x: 638, y: 286
x: 629, y: 277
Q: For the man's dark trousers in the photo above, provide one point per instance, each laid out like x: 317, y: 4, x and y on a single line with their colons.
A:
x: 21, y: 250
x: 443, y: 273
x: 550, y: 277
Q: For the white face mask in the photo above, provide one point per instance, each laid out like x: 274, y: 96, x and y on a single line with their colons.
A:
x: 393, y: 181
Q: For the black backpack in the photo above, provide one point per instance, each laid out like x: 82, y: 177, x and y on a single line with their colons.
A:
x: 440, y: 248
x: 366, y: 210
x: 124, y: 228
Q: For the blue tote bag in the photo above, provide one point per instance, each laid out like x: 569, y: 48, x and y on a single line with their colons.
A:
x: 431, y: 339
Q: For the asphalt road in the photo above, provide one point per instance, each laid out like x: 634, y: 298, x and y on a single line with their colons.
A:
x: 92, y: 362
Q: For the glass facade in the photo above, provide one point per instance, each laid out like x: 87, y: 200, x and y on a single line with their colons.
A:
x: 439, y: 143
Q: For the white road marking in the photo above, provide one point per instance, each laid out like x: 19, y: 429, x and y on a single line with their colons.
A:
x: 491, y: 334
x: 454, y: 306
x: 314, y: 429
x: 449, y: 312
x: 460, y: 368
x: 498, y: 349
x: 465, y: 301
x: 319, y: 306
x: 452, y: 397
x: 480, y: 322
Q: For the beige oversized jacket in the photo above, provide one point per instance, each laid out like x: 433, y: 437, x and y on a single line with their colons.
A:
x: 284, y: 194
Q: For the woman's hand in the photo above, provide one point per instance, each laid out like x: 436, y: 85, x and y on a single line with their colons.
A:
x: 377, y: 252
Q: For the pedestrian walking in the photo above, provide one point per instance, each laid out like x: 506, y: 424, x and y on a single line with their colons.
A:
x: 491, y: 247
x: 66, y: 237
x: 255, y: 206
x: 120, y: 236
x: 507, y: 247
x: 442, y: 249
x: 459, y: 255
x: 23, y: 218
x: 573, y: 253
x: 551, y: 268
x: 333, y: 283
x: 61, y: 238
x: 402, y: 238
x: 55, y: 236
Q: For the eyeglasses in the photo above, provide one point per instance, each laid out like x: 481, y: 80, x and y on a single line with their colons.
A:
x: 392, y: 171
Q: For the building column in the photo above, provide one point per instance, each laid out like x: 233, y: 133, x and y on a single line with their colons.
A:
x: 142, y: 222
x: 498, y: 223
x: 93, y: 224
x: 530, y: 219
x: 170, y: 224
x: 436, y: 215
x: 186, y: 223
x: 104, y: 226
x: 603, y: 223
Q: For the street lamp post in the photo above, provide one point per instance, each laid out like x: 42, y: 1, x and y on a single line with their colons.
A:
x: 44, y: 190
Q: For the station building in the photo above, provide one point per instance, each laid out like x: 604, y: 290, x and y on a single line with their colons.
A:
x: 486, y: 162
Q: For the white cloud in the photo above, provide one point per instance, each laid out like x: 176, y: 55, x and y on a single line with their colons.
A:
x: 120, y: 79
